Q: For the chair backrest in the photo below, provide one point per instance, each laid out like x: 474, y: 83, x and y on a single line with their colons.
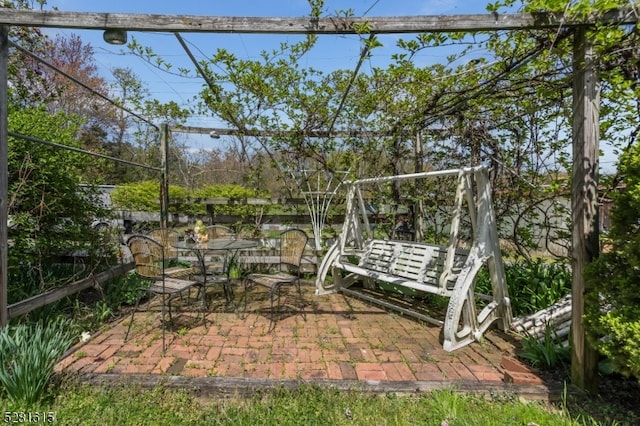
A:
x: 220, y: 232
x: 292, y: 244
x: 148, y: 254
x: 168, y: 238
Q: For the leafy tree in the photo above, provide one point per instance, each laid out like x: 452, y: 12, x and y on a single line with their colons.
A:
x: 204, y: 166
x: 50, y: 212
x: 75, y: 58
x: 405, y: 118
x: 25, y: 74
x: 136, y: 137
x: 613, y: 316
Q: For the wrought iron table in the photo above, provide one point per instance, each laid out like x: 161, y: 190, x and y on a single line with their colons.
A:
x: 230, y: 247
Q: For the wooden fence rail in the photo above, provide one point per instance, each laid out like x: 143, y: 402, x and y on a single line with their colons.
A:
x: 34, y: 302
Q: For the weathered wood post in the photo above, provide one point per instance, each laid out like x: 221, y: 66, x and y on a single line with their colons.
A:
x: 584, y: 200
x: 418, y: 216
x: 4, y: 175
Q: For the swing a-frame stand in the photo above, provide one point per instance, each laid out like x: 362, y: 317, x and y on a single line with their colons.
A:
x: 448, y: 271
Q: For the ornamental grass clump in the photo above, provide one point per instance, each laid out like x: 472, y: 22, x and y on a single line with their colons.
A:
x: 28, y: 356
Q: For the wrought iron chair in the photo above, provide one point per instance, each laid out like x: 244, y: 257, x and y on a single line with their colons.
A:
x: 218, y: 262
x: 219, y: 231
x: 150, y: 260
x: 168, y: 238
x: 292, y: 245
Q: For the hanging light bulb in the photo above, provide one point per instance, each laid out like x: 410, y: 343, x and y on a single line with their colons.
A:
x: 118, y: 37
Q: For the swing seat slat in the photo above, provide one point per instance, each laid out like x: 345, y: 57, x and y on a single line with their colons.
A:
x: 415, y: 265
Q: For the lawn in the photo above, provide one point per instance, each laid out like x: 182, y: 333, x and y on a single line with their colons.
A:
x: 74, y: 404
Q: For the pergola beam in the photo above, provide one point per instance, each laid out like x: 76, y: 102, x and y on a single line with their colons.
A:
x: 304, y: 25
x: 219, y: 131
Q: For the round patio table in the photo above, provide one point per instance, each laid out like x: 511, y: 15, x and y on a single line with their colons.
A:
x: 231, y: 248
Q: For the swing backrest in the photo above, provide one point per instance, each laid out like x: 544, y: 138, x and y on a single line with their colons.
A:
x: 421, y: 263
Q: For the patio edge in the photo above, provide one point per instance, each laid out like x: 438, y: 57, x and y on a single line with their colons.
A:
x: 246, y: 387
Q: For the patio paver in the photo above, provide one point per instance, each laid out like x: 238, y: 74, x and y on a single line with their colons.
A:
x: 345, y: 342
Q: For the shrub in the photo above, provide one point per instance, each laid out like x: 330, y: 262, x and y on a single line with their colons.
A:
x: 612, y: 315
x: 28, y: 356
x: 49, y: 213
x: 144, y: 196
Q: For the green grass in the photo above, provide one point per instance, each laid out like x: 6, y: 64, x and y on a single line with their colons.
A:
x: 309, y: 405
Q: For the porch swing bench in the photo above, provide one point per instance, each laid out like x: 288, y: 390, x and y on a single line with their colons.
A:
x: 448, y: 271
x: 413, y: 265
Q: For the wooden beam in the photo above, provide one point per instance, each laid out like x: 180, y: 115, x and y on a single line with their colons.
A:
x: 231, y: 387
x: 43, y: 299
x: 302, y: 25
x: 584, y: 201
x: 288, y: 134
x: 238, y: 201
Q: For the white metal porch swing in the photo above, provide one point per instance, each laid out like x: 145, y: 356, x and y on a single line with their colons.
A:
x: 449, y: 271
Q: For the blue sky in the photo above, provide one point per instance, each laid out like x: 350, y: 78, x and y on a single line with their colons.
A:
x: 273, y: 7
x: 332, y: 52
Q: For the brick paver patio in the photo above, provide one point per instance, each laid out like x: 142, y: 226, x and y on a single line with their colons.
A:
x: 344, y: 342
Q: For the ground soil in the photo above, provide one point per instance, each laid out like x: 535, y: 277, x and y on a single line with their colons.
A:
x: 616, y: 402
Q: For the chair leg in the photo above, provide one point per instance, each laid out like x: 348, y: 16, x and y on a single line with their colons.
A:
x: 133, y: 313
x: 163, y: 323
x: 274, y: 291
x: 202, y: 293
x: 245, y: 283
x: 228, y: 291
x: 205, y: 305
x: 301, y: 301
x: 168, y: 303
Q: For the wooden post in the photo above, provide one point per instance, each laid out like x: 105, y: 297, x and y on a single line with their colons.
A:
x: 4, y: 175
x: 164, y: 175
x: 584, y: 201
x: 418, y: 217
